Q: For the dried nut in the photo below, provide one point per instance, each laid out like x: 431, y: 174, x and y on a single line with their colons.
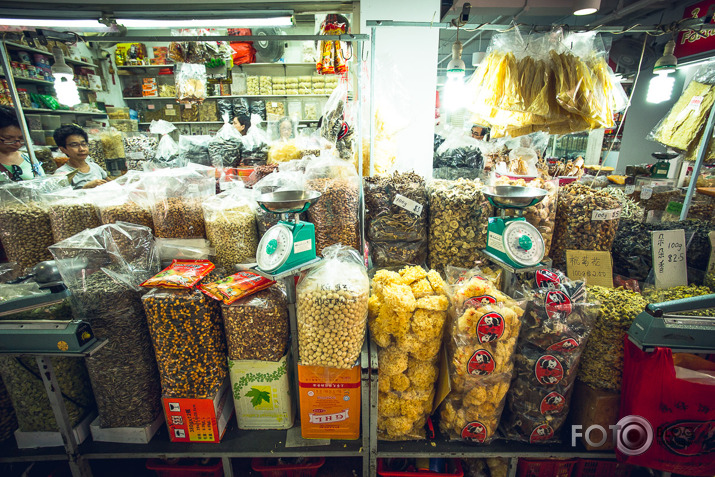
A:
x: 127, y: 212
x: 233, y: 233
x: 26, y: 233
x: 177, y: 217
x: 70, y: 218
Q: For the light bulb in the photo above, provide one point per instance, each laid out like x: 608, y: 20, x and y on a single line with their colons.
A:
x: 66, y: 89
x: 660, y: 88
x: 455, y: 92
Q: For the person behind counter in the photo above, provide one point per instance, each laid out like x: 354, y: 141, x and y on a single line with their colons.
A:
x: 242, y: 123
x: 15, y: 164
x: 72, y: 140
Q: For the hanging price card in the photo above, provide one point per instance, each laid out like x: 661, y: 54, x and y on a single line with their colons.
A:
x: 669, y: 260
x: 593, y: 266
x: 630, y: 189
x: 408, y: 204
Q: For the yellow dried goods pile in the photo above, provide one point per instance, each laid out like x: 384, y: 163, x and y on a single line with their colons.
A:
x: 682, y: 127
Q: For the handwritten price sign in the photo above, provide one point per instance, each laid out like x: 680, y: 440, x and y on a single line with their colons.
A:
x: 669, y: 259
x: 594, y: 267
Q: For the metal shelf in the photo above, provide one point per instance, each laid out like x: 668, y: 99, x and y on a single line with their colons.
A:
x: 63, y: 111
x: 22, y: 79
x: 164, y: 98
x: 17, y: 46
x: 9, y: 452
x: 294, y: 65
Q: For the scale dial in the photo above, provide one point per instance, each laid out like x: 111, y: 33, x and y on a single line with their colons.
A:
x: 275, y: 247
x: 523, y: 243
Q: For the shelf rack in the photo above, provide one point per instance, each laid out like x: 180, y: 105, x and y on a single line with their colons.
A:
x: 170, y: 98
x: 17, y: 46
x: 22, y: 79
x: 244, y: 65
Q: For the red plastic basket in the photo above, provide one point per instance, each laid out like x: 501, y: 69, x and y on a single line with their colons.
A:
x: 545, y: 468
x: 595, y: 468
x: 309, y: 469
x: 188, y: 469
x: 454, y: 465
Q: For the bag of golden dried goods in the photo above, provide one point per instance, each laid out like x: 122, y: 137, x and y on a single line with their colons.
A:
x: 407, y: 315
x: 230, y: 219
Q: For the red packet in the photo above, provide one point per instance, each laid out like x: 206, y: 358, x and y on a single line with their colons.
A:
x: 181, y: 274
x: 236, y: 286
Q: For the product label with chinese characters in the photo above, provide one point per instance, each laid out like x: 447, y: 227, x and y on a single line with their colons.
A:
x: 669, y: 261
x: 408, y: 204
x: 593, y: 266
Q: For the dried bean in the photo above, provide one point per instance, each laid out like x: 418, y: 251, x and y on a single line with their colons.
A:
x: 69, y: 219
x: 96, y: 152
x: 177, y: 217
x: 127, y: 212
x: 233, y: 233
x: 26, y: 233
x: 335, y: 215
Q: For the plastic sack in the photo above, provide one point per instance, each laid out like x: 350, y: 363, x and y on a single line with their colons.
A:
x: 332, y: 309
x: 225, y: 109
x: 195, y: 150
x: 258, y: 108
x: 275, y: 182
x: 396, y: 218
x: 241, y: 107
x: 459, y: 151
x: 231, y: 227
x: 190, y: 347
x: 71, y: 213
x: 190, y: 82
x: 139, y: 147
x: 257, y: 326
x: 225, y: 146
x: 25, y: 227
x: 679, y: 412
x: 255, y: 144
x: 407, y: 312
x: 124, y: 200
x: 167, y: 150
x: 335, y: 128
x: 183, y: 249
x: 336, y: 214
x: 459, y: 216
x: 103, y: 267
x: 556, y: 325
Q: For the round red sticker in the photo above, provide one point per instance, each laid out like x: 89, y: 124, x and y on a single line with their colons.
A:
x: 546, y: 278
x: 548, y: 370
x: 474, y: 431
x: 490, y: 327
x: 557, y: 305
x: 564, y: 346
x: 481, y: 363
x: 543, y: 432
x: 479, y: 301
x: 553, y: 403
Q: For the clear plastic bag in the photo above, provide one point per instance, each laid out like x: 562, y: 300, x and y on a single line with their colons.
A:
x: 167, y: 151
x: 225, y: 147
x: 255, y: 144
x: 231, y: 227
x: 9, y: 292
x: 195, y: 150
x: 407, y: 316
x: 397, y: 209
x: 335, y: 128
x: 187, y: 333
x: 336, y: 214
x: 332, y: 309
x: 190, y: 82
x: 275, y: 182
x: 257, y: 326
x: 183, y: 249
x: 124, y: 200
x: 139, y: 147
x: 258, y: 108
x: 71, y: 213
x: 459, y: 151
x: 103, y: 268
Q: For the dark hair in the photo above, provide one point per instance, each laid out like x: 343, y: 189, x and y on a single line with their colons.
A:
x: 8, y: 117
x: 244, y: 119
x: 63, y: 132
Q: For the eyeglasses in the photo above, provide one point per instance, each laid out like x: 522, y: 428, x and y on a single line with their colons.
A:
x: 10, y: 142
x: 76, y: 145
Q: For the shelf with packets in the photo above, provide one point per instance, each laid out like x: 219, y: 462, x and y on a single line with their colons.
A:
x: 64, y: 111
x: 244, y: 65
x: 22, y: 79
x: 169, y: 98
x: 17, y: 46
x: 302, y: 121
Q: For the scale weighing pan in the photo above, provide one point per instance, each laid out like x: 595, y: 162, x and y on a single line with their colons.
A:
x: 664, y: 155
x: 288, y: 201
x: 514, y: 197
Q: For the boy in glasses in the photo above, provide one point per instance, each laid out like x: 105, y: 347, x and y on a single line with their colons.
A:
x: 14, y: 164
x: 72, y: 140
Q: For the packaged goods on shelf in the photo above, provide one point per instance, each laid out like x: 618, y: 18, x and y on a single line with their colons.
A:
x: 167, y: 150
x: 396, y: 215
x: 189, y: 113
x: 208, y: 111
x: 239, y: 83
x: 231, y: 226
x: 407, y: 312
x: 71, y: 213
x: 310, y: 111
x: 335, y: 215
x: 556, y: 326
x: 332, y: 309
x: 113, y: 145
x: 258, y: 108
x: 186, y: 330
x: 252, y: 87
x: 118, y: 113
x: 124, y: 125
x: 190, y: 82
x: 172, y: 112
x: 265, y: 85
x: 123, y: 373
x: 459, y: 214
x: 275, y: 109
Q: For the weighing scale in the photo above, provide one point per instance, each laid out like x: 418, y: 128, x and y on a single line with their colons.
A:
x: 660, y: 169
x: 290, y: 243
x: 512, y: 240
x: 660, y: 326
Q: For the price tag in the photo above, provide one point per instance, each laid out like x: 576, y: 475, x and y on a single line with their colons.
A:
x: 611, y: 214
x: 630, y: 189
x: 646, y: 193
x: 669, y: 260
x: 693, y: 105
x: 170, y: 112
x: 150, y: 106
x: 169, y: 106
x: 136, y: 155
x: 674, y: 208
x: 187, y: 105
x: 408, y: 204
x: 596, y: 268
x: 193, y: 189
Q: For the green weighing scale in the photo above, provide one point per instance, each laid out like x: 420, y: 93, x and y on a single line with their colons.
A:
x: 513, y: 240
x: 290, y: 243
x: 660, y: 169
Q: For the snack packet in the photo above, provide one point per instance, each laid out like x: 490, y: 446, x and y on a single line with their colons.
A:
x: 236, y: 286
x: 180, y: 274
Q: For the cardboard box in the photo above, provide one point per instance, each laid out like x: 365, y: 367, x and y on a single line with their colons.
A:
x: 126, y: 435
x: 263, y: 400
x: 591, y: 406
x: 199, y: 420
x: 31, y: 440
x: 329, y: 402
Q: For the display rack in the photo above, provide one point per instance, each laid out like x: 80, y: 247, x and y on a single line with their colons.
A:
x: 172, y: 98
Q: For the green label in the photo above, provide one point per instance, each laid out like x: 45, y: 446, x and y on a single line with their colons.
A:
x: 674, y: 207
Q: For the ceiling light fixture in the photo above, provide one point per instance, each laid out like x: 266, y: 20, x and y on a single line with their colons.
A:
x: 586, y: 7
x: 667, y: 63
x: 65, y: 87
x: 206, y: 22
x: 660, y: 88
x: 51, y: 23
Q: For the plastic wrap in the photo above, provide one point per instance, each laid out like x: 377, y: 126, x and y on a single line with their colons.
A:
x: 225, y: 146
x: 336, y: 214
x: 258, y: 108
x: 255, y: 144
x: 139, y: 147
x: 257, y: 326
x: 71, y: 213
x: 167, y: 150
x: 459, y: 214
x: 485, y: 325
x: 225, y: 109
x: 556, y: 326
x: 124, y: 200
x: 231, y: 227
x: 195, y: 150
x: 396, y: 218
x: 103, y: 267
x: 275, y: 182
x: 332, y: 309
x: 189, y: 343
x: 334, y: 128
x: 461, y: 152
x: 190, y: 82
x: 407, y: 312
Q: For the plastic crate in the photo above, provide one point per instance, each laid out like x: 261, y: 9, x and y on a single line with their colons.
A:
x: 595, y: 468
x: 308, y: 469
x: 454, y: 466
x: 188, y: 469
x: 545, y: 468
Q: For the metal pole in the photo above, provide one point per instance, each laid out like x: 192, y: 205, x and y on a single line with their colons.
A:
x: 702, y: 150
x: 289, y: 283
x: 358, y: 101
x: 78, y: 465
x: 372, y: 100
x: 227, y: 467
x: 16, y: 101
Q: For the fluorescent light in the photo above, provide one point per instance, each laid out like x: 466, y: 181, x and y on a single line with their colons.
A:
x: 455, y: 92
x: 586, y: 7
x: 205, y: 22
x: 66, y: 89
x: 51, y: 23
x: 660, y: 88
x: 585, y: 11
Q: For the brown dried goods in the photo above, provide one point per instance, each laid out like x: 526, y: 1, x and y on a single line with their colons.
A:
x: 233, y: 233
x: 127, y: 212
x: 26, y: 233
x: 176, y: 217
x: 336, y: 214
x: 70, y: 219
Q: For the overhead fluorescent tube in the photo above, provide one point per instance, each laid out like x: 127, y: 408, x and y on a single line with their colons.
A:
x: 51, y: 23
x: 207, y: 22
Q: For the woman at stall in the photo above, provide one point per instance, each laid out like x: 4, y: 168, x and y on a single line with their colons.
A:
x: 242, y: 123
x: 81, y: 172
x: 16, y: 165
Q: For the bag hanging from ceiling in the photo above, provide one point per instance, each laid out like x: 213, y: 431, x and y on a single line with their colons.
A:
x: 243, y: 51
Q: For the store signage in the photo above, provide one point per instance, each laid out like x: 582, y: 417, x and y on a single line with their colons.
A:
x: 669, y: 260
x: 595, y: 267
x: 690, y: 42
